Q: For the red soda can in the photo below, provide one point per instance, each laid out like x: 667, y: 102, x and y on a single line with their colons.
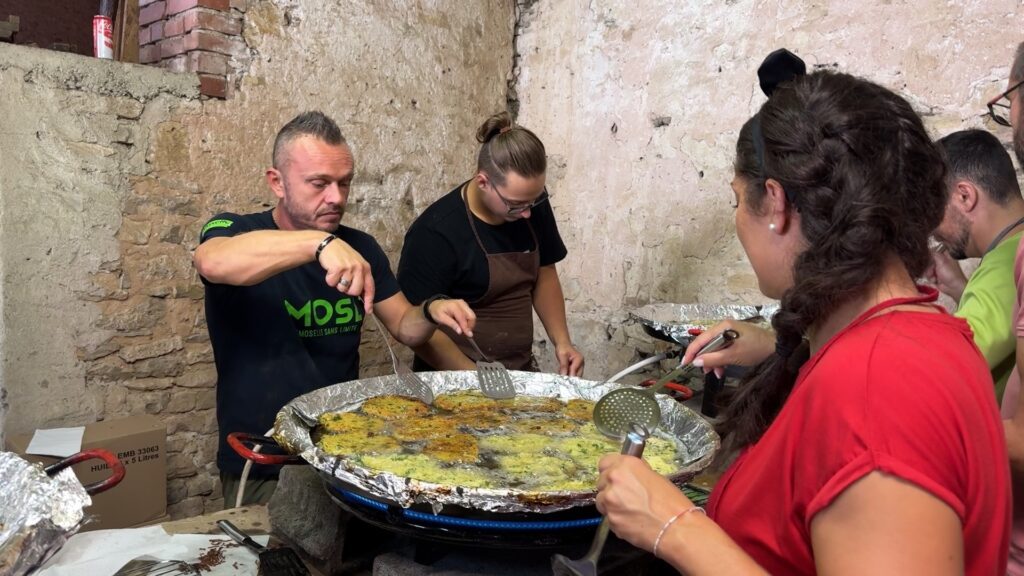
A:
x: 103, y: 37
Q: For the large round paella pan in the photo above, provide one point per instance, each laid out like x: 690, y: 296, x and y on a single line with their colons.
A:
x: 694, y: 437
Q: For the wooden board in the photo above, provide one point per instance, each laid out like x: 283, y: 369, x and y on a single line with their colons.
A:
x: 126, y: 31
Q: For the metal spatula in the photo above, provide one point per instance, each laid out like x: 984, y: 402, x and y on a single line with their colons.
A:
x: 273, y: 562
x: 412, y: 384
x: 618, y: 409
x: 495, y: 380
x: 633, y: 445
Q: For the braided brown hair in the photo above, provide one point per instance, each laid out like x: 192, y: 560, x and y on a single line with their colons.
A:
x: 858, y: 165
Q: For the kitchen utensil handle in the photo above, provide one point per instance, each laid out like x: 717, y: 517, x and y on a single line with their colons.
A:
x: 723, y: 340
x: 112, y: 462
x: 238, y: 440
x: 600, y: 537
x: 478, y: 350
x: 718, y: 342
x: 632, y: 445
x: 240, y: 537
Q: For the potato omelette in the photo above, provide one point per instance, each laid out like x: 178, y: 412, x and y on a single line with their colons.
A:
x: 529, y: 443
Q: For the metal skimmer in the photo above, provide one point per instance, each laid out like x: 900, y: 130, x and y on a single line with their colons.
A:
x: 618, y: 409
x: 412, y: 384
x: 495, y: 381
x: 633, y: 445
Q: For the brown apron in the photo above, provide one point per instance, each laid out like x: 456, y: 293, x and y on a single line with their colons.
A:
x: 504, y: 314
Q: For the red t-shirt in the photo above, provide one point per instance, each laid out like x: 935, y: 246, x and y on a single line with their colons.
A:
x: 906, y: 393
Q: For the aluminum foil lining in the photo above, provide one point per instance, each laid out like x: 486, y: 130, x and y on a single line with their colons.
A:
x: 696, y: 435
x: 37, y: 513
x: 676, y: 320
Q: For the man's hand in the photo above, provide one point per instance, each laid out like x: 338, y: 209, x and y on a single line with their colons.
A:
x: 348, y: 271
x: 570, y: 361
x: 947, y: 275
x: 455, y: 314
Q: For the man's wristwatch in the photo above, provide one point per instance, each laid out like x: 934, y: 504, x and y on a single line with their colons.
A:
x: 426, y: 307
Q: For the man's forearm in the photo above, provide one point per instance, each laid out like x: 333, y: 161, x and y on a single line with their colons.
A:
x: 414, y: 330
x: 442, y: 354
x: 549, y: 302
x: 252, y: 257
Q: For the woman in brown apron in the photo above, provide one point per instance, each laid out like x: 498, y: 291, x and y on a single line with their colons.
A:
x: 493, y: 242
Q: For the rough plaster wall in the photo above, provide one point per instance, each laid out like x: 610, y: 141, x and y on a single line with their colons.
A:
x: 639, y: 106
x: 102, y: 210
x: 74, y: 135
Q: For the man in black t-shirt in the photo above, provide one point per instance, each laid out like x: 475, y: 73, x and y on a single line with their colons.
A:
x: 493, y: 242
x: 283, y: 291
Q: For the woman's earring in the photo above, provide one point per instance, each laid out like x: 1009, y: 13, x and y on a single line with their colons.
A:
x: 772, y: 226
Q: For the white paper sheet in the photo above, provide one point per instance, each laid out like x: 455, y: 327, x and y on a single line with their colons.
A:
x: 103, y: 552
x: 59, y: 442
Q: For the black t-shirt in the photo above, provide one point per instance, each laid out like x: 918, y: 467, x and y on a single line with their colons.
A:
x: 441, y: 254
x: 283, y: 337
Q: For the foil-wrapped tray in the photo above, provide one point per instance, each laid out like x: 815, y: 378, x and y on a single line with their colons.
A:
x: 673, y: 322
x: 37, y: 513
x: 696, y: 435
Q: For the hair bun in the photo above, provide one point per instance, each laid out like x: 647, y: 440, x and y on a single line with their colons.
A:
x: 496, y: 124
x: 778, y: 67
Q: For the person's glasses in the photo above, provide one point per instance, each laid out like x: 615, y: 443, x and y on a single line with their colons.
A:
x: 996, y: 106
x: 517, y: 208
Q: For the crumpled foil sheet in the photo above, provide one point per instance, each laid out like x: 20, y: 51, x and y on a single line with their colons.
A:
x: 696, y: 435
x: 676, y: 320
x: 37, y: 513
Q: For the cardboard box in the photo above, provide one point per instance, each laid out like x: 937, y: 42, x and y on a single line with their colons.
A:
x: 140, y: 442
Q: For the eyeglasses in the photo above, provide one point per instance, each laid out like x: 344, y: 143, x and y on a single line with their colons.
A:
x: 517, y: 208
x: 1001, y: 117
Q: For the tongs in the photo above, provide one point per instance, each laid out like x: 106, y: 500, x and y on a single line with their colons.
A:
x: 149, y: 566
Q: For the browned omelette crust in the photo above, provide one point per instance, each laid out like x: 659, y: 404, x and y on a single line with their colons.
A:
x: 423, y: 427
x: 453, y: 448
x: 556, y: 426
x: 465, y: 401
x: 535, y: 404
x: 480, y: 420
x: 579, y: 409
x: 344, y: 422
x: 394, y: 407
x: 358, y: 443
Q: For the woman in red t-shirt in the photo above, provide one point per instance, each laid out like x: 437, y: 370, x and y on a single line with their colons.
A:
x: 869, y: 440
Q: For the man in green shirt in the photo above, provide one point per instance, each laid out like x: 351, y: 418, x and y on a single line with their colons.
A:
x: 984, y: 219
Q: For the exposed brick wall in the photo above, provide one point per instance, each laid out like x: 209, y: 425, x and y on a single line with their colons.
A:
x: 201, y: 36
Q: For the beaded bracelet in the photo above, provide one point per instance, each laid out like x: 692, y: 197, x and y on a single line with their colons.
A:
x: 672, y: 521
x: 323, y: 244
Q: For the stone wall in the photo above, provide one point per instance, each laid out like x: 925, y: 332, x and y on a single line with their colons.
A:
x: 640, y: 106
x: 118, y: 167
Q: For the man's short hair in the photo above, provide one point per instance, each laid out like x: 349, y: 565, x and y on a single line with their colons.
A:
x: 312, y: 123
x: 979, y: 157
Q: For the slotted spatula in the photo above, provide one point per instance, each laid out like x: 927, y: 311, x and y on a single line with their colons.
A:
x: 273, y: 561
x: 495, y: 380
x: 411, y: 383
x: 618, y: 409
x: 636, y: 440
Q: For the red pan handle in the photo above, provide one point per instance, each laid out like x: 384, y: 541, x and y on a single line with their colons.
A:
x: 239, y: 440
x: 680, y: 391
x: 116, y: 468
